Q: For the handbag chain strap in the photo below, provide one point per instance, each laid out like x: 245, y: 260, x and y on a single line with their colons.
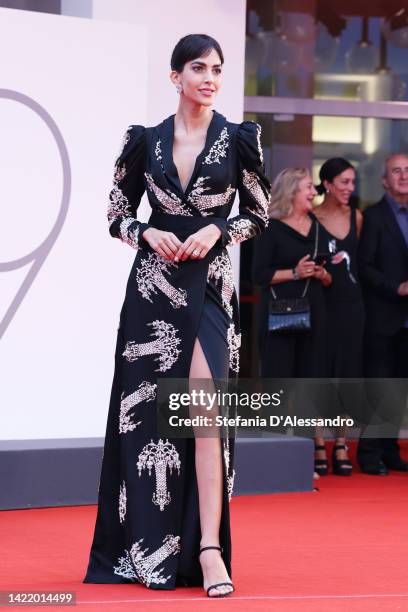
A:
x: 314, y: 256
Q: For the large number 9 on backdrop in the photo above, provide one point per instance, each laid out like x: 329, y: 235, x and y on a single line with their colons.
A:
x: 13, y: 220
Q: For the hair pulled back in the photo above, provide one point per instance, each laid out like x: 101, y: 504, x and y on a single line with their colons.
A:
x: 191, y: 47
x: 330, y: 169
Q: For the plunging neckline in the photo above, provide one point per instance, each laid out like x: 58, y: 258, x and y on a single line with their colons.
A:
x: 200, y: 154
x: 334, y: 235
x: 305, y: 236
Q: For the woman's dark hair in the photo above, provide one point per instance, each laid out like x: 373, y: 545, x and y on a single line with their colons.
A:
x: 330, y: 169
x: 191, y: 47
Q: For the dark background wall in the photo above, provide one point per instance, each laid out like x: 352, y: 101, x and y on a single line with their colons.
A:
x: 43, y: 6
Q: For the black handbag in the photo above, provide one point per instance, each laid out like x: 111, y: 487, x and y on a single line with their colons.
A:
x: 288, y: 315
x: 291, y: 314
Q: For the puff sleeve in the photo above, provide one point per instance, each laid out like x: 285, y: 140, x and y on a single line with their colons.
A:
x: 253, y: 187
x: 128, y: 188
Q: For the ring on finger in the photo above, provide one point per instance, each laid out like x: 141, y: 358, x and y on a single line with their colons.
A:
x: 196, y: 252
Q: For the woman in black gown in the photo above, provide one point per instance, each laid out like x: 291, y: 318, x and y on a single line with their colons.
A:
x: 341, y: 227
x: 284, y: 260
x: 162, y: 501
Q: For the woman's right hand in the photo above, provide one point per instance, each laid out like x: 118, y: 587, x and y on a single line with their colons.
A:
x: 305, y: 267
x: 166, y: 244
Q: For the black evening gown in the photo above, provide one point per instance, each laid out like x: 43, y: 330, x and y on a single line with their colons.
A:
x: 345, y: 323
x: 147, y: 527
x: 289, y: 355
x: 345, y: 308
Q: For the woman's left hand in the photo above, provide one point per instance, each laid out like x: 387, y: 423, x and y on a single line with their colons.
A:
x: 197, y: 245
x: 322, y: 275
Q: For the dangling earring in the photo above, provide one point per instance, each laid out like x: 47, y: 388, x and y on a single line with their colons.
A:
x: 179, y: 88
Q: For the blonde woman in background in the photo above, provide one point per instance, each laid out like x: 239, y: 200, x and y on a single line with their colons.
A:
x: 287, y: 259
x: 284, y: 260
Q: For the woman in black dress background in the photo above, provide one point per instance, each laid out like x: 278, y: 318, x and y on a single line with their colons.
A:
x: 341, y: 227
x: 284, y: 259
x: 163, y: 512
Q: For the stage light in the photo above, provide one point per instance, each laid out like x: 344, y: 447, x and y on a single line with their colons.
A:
x: 395, y: 29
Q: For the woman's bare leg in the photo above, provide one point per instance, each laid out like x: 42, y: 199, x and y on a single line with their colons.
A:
x: 342, y: 454
x: 320, y: 441
x: 208, y: 461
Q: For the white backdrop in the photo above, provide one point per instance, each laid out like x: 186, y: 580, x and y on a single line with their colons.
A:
x: 93, y: 77
x: 56, y: 356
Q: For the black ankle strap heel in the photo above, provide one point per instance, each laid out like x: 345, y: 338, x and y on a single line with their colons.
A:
x: 341, y: 467
x: 214, y: 586
x: 321, y: 466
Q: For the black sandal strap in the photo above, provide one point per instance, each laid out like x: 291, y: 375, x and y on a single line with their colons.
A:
x: 210, y: 548
x: 320, y: 447
x: 214, y: 586
x: 340, y: 447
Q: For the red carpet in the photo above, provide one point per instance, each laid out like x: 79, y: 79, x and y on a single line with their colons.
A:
x: 342, y: 548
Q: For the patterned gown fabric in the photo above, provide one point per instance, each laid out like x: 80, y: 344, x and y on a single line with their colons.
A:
x: 147, y: 527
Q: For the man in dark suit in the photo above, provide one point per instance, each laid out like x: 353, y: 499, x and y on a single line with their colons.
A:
x: 383, y: 269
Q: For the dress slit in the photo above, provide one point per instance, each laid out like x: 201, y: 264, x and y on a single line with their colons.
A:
x: 212, y: 334
x: 212, y: 326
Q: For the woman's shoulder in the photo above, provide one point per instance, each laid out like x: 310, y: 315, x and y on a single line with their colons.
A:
x: 274, y: 227
x: 274, y: 224
x: 269, y: 238
x: 248, y: 133
x: 358, y: 214
x: 134, y: 133
x: 133, y: 141
x: 245, y: 127
x: 137, y: 132
x: 248, y: 142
